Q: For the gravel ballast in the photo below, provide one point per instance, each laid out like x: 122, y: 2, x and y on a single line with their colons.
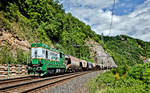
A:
x: 75, y: 85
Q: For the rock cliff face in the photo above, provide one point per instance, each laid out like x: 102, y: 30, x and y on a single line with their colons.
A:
x: 13, y: 41
x: 99, y: 54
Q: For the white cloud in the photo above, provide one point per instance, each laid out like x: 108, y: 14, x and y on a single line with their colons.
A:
x: 89, y: 3
x: 135, y: 24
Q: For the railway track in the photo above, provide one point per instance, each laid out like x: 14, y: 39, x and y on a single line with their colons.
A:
x: 38, y: 84
x: 14, y: 81
x: 5, y: 81
x: 11, y: 79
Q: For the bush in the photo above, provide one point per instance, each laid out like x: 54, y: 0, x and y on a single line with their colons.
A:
x: 136, y: 81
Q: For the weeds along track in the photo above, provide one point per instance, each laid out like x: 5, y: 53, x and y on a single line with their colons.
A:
x: 39, y: 84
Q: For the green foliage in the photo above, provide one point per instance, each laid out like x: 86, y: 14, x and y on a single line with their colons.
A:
x: 45, y: 21
x: 101, y: 82
x: 21, y: 57
x: 136, y: 81
x: 7, y: 57
x: 137, y: 72
x: 127, y: 50
x: 121, y: 70
x: 141, y: 72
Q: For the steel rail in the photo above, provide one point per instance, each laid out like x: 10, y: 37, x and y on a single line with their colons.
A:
x: 16, y: 80
x: 54, y: 82
x: 4, y: 89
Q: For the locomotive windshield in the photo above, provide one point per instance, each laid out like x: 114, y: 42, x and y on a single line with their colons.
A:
x: 44, y: 54
x: 36, y: 52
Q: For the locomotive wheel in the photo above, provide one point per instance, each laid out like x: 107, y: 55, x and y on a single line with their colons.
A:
x: 63, y: 71
x: 51, y: 71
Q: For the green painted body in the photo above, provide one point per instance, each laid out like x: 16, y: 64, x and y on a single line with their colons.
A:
x: 42, y: 65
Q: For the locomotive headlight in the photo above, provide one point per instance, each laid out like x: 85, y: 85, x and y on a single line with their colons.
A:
x: 28, y: 67
x: 39, y: 68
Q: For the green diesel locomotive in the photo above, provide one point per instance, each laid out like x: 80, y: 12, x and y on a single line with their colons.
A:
x: 46, y: 60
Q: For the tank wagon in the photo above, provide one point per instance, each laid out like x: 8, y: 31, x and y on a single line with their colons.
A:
x: 84, y: 65
x: 73, y: 64
x: 46, y: 60
x: 76, y: 64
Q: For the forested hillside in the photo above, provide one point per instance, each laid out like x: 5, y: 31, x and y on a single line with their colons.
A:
x: 127, y: 50
x: 131, y: 75
x: 45, y: 21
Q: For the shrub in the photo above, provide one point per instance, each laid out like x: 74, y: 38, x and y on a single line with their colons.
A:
x: 136, y: 81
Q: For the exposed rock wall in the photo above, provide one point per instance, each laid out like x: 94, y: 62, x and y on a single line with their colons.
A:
x: 13, y: 40
x: 99, y: 54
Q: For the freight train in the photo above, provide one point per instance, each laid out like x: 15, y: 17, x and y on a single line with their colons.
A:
x: 46, y: 60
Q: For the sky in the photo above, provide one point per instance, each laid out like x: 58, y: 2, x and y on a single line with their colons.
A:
x: 130, y: 17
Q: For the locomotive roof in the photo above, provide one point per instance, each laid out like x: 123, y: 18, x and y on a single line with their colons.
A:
x: 44, y: 46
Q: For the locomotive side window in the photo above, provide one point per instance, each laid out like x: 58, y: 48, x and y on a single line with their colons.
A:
x: 49, y: 55
x: 52, y: 54
x: 57, y: 56
x: 43, y: 53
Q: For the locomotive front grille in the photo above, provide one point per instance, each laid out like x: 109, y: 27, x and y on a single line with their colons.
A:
x: 35, y: 65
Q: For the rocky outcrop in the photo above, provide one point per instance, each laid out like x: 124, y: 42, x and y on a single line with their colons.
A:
x: 13, y: 40
x: 98, y: 53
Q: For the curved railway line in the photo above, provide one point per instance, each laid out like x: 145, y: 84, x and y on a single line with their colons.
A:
x: 36, y: 84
